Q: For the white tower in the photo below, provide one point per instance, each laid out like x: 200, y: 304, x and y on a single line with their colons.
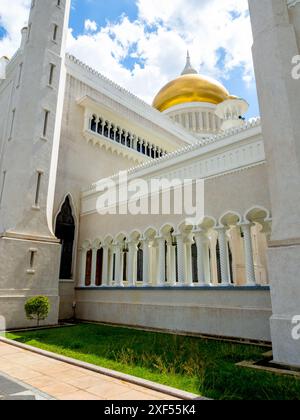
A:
x: 276, y: 30
x: 29, y: 251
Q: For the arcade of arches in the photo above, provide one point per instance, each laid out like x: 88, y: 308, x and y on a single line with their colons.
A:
x: 232, y: 253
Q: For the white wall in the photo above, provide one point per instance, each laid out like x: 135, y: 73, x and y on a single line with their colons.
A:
x: 223, y: 312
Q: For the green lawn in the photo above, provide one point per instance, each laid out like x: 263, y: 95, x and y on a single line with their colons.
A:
x: 196, y: 365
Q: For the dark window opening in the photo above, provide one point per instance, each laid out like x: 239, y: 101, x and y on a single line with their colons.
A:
x: 94, y: 124
x: 140, y: 257
x: 88, y: 268
x: 99, y: 267
x: 65, y: 232
x: 219, y: 263
x: 195, y: 263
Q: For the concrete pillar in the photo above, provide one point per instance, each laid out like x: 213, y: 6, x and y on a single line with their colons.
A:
x: 200, y: 239
x: 119, y: 265
x: 146, y: 255
x: 274, y: 49
x: 180, y: 260
x: 94, y: 267
x: 161, y: 281
x: 131, y: 263
x: 83, y: 253
x: 105, y: 280
x: 248, y: 249
x: 188, y: 260
x: 224, y: 257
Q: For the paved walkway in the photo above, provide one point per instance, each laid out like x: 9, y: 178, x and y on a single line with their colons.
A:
x: 62, y: 381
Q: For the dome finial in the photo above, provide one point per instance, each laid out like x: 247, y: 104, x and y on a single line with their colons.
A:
x: 189, y: 69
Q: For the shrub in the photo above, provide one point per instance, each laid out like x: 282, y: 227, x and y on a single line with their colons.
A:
x: 37, y: 308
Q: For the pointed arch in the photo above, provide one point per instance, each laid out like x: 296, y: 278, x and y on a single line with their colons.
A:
x: 65, y: 231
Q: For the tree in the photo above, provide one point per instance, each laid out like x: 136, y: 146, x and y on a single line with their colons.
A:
x: 37, y: 308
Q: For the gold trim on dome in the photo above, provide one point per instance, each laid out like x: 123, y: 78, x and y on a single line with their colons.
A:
x: 190, y: 88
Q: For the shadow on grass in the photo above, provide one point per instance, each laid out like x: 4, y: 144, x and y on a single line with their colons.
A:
x: 195, y: 365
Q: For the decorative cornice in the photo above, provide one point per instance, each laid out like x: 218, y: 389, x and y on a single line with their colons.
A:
x: 114, y: 147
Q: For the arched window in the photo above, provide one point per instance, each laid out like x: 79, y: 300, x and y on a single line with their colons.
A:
x: 176, y: 260
x: 219, y: 271
x: 123, y: 139
x: 105, y: 130
x: 140, y: 257
x: 114, y: 267
x: 99, y: 128
x: 118, y: 135
x: 88, y: 268
x: 99, y: 267
x: 230, y: 263
x: 166, y: 260
x: 195, y: 263
x: 125, y: 256
x: 139, y: 145
x: 112, y: 134
x: 94, y: 123
x: 65, y: 232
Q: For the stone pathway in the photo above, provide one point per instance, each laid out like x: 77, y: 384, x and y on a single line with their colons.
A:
x: 60, y: 380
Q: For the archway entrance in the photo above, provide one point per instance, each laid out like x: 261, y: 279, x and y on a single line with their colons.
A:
x: 65, y: 232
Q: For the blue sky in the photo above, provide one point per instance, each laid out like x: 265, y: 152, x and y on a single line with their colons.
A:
x: 141, y: 44
x: 100, y: 11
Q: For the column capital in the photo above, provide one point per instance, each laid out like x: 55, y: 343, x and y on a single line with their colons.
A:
x: 222, y: 228
x: 132, y: 244
x: 246, y: 223
x: 160, y: 238
x: 200, y: 234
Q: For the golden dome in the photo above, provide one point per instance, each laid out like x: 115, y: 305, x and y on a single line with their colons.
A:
x: 190, y: 87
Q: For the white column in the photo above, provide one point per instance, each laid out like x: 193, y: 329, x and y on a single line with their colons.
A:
x: 207, y: 265
x: 126, y: 136
x: 83, y: 268
x: 189, y: 270
x: 119, y: 266
x: 249, y: 262
x: 146, y: 254
x: 161, y: 281
x: 109, y: 129
x: 132, y: 252
x: 224, y: 257
x: 94, y: 267
x: 115, y: 133
x: 180, y: 260
x: 102, y: 127
x: 105, y: 280
x: 199, y: 238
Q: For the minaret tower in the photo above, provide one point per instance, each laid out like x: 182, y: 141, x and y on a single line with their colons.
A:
x: 29, y: 251
x: 276, y: 31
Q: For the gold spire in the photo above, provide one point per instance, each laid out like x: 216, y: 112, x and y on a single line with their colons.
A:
x: 189, y: 69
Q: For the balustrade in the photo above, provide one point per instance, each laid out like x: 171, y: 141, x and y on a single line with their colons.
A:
x: 108, y: 130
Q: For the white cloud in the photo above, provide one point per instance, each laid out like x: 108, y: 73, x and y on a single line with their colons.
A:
x: 90, y: 25
x: 13, y: 16
x: 143, y: 55
x: 215, y: 31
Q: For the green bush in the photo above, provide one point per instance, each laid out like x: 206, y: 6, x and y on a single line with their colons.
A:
x: 37, y: 308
